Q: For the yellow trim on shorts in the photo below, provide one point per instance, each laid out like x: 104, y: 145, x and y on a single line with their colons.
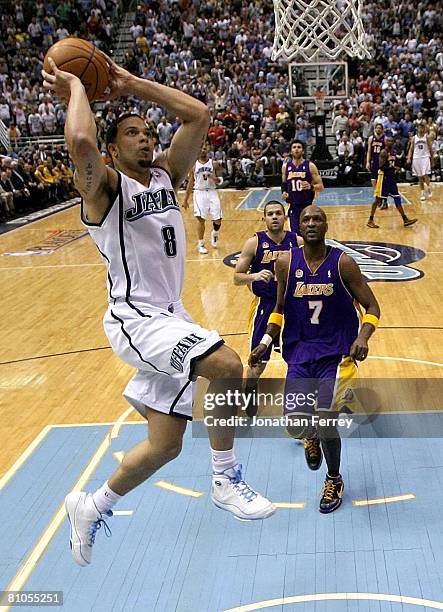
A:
x: 346, y: 372
x: 379, y: 184
x: 251, y: 314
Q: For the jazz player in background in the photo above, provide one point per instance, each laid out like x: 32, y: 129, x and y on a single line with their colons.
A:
x: 386, y: 185
x: 255, y: 268
x: 132, y: 215
x: 420, y: 153
x: 301, y: 182
x: 202, y: 180
x: 321, y: 340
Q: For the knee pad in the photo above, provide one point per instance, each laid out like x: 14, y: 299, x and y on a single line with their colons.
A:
x: 397, y: 201
x: 216, y: 226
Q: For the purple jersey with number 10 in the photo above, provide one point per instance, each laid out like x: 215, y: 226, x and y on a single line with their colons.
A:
x: 319, y: 312
x: 299, y: 198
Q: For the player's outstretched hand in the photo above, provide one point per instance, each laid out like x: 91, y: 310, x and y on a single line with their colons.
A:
x: 256, y: 355
x: 58, y: 81
x: 359, y: 350
x: 264, y: 275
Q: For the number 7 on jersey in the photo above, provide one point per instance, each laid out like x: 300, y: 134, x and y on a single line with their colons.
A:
x: 315, y: 306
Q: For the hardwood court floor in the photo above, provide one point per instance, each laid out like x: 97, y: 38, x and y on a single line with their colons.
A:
x: 55, y: 364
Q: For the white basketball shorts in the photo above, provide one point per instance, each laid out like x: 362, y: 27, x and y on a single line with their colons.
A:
x: 207, y: 204
x: 164, y: 347
x: 421, y: 166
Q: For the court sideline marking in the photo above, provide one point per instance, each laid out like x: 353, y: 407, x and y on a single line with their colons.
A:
x: 27, y: 567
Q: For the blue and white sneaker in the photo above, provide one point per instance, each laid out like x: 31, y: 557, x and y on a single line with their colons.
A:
x: 85, y: 520
x: 230, y: 492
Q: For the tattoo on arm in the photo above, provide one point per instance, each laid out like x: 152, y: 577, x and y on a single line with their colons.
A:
x: 88, y: 180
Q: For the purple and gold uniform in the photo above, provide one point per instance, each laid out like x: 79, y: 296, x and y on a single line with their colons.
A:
x: 377, y: 144
x: 386, y: 184
x: 321, y: 323
x: 265, y: 294
x: 298, y: 197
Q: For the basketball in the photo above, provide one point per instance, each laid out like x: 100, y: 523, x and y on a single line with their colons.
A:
x: 82, y: 58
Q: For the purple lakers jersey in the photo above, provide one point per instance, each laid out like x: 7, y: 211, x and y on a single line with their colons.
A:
x: 299, y: 198
x: 377, y: 145
x: 388, y: 167
x: 264, y: 259
x: 320, y: 317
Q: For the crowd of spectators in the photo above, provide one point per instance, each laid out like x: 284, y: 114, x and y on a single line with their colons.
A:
x: 220, y: 53
x: 27, y: 30
x: 39, y: 177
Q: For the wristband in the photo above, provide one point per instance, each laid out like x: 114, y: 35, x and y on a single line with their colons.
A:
x: 266, y: 340
x: 371, y: 319
x: 275, y: 318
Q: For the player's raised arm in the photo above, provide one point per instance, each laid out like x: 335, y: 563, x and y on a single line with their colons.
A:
x: 316, y: 180
x: 275, y: 321
x: 362, y: 293
x: 241, y: 273
x: 188, y: 139
x: 95, y: 182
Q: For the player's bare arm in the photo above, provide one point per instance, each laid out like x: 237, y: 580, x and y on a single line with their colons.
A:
x: 96, y: 183
x: 382, y: 158
x: 284, y: 189
x: 189, y: 188
x: 410, y: 150
x: 368, y: 154
x: 316, y: 180
x: 188, y: 139
x: 272, y: 330
x: 362, y: 293
x: 241, y: 273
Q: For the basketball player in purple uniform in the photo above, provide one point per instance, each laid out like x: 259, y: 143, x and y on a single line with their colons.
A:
x: 387, y: 185
x: 301, y: 182
x: 255, y: 268
x: 375, y: 145
x: 321, y: 340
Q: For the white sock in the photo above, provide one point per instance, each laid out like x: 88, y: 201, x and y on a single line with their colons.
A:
x: 223, y: 460
x: 201, y: 243
x: 105, y: 498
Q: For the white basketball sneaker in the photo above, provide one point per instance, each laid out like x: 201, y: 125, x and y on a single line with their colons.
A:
x: 230, y: 492
x: 422, y: 195
x: 214, y: 238
x: 85, y: 520
x: 202, y: 249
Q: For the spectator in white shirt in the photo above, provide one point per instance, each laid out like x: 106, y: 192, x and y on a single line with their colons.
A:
x: 165, y: 133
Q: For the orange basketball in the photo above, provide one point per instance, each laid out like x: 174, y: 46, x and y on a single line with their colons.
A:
x: 83, y: 59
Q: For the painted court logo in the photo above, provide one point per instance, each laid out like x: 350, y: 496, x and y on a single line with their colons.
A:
x: 378, y: 261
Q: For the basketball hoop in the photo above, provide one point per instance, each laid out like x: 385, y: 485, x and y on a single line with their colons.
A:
x: 318, y: 29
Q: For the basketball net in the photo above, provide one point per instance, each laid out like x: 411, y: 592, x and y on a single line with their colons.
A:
x: 318, y: 29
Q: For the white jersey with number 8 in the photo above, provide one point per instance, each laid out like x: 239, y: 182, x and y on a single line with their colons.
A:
x: 142, y: 241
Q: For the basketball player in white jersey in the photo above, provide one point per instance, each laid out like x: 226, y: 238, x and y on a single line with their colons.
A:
x: 202, y: 181
x: 132, y: 214
x: 419, y: 152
